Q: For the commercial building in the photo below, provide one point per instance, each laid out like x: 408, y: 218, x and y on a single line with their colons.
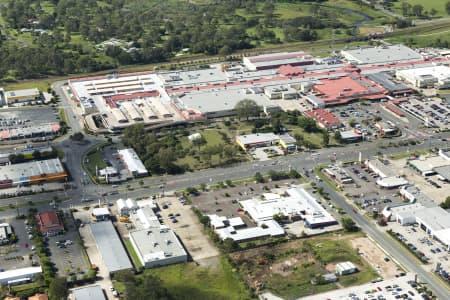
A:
x: 49, y: 223
x: 258, y: 140
x: 264, y: 229
x: 434, y: 76
x: 133, y: 162
x: 337, y: 174
x: 19, y: 276
x: 324, y: 118
x: 386, y: 128
x: 157, y: 247
x: 88, y: 106
x: 32, y: 172
x: 298, y: 204
x: 392, y: 182
x: 343, y: 89
x: 5, y: 232
x: 350, y: 136
x: 345, y: 268
x: 101, y: 214
x: 276, y: 60
x: 444, y: 153
x: 426, y: 165
x: 93, y: 292
x: 110, y: 247
x: 217, y: 103
x: 391, y: 54
x: 380, y: 167
x: 43, y: 132
x: 20, y: 96
x: 386, y: 80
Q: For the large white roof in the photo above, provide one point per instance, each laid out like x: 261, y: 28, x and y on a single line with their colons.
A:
x: 132, y: 160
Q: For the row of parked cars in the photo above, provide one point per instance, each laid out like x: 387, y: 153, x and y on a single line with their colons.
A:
x: 412, y: 247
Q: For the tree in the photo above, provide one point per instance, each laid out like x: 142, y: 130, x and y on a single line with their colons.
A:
x: 352, y: 122
x: 198, y: 142
x: 36, y: 154
x: 446, y: 203
x: 348, y: 224
x: 325, y: 138
x: 307, y: 123
x: 447, y: 7
x: 247, y: 108
x: 77, y: 136
x: 338, y: 136
x: 58, y: 288
x: 417, y: 10
x: 258, y: 177
x: 148, y: 287
x: 229, y: 245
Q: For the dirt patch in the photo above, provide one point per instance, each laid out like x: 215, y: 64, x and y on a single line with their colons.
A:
x: 375, y: 257
x: 286, y: 267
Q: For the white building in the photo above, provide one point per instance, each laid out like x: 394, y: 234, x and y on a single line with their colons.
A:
x: 392, y: 182
x: 434, y: 76
x: 380, y: 55
x: 133, y: 162
x: 101, y: 213
x: 275, y: 60
x: 194, y: 136
x: 5, y: 232
x: 269, y: 228
x: 345, y: 268
x: 19, y: 276
x: 122, y: 207
x: 157, y: 247
x: 297, y: 205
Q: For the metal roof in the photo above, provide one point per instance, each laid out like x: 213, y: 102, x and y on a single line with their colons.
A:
x: 94, y: 292
x: 110, y: 246
x: 381, y: 54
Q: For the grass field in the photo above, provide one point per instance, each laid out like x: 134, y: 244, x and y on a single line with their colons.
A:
x: 41, y: 85
x: 94, y: 157
x: 438, y: 5
x: 188, y: 281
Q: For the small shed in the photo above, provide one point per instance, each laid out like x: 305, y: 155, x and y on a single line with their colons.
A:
x: 345, y: 268
x: 122, y: 207
x: 194, y: 137
x: 101, y: 213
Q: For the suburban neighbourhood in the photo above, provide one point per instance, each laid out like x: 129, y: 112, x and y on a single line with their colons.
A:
x: 289, y: 173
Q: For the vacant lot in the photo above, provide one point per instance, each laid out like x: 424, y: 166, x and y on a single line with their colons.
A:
x: 287, y: 269
x: 189, y: 281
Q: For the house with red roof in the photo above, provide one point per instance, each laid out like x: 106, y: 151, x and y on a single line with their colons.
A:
x: 324, y: 118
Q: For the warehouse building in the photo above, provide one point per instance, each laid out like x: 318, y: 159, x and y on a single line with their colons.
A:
x: 264, y: 229
x: 380, y: 55
x: 19, y: 276
x: 133, y: 163
x: 32, y: 172
x: 276, y: 60
x: 93, y: 292
x: 44, y: 131
x: 157, y: 247
x: 434, y: 76
x: 110, y: 247
x: 425, y: 166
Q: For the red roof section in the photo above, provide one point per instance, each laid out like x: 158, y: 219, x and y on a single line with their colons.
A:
x: 111, y: 100
x: 287, y: 70
x: 343, y: 89
x: 394, y: 109
x: 324, y: 117
x: 49, y: 221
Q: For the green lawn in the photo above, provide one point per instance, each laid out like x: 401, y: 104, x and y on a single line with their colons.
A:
x: 188, y: 281
x: 41, y: 85
x: 94, y: 157
x: 132, y: 253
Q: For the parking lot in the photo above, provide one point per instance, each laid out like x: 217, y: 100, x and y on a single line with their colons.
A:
x: 417, y: 240
x: 397, y: 288
x: 16, y: 255
x: 187, y: 227
x: 66, y: 252
x: 26, y: 117
x: 365, y: 193
x: 434, y: 110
